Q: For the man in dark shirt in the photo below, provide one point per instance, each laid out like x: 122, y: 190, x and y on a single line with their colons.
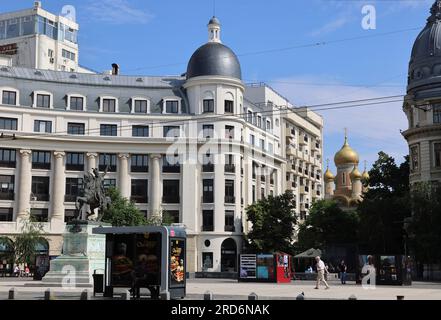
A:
x: 342, y: 267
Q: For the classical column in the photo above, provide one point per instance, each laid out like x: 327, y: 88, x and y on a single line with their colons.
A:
x: 155, y: 185
x: 123, y: 175
x: 59, y: 186
x: 91, y: 160
x: 268, y: 175
x: 258, y: 181
x: 25, y: 186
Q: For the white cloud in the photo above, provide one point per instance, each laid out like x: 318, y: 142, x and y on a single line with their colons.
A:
x: 117, y: 12
x: 372, y: 128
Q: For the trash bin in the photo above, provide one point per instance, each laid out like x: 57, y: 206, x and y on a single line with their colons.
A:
x: 98, y: 282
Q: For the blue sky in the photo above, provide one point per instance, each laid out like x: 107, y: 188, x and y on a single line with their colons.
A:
x: 158, y: 37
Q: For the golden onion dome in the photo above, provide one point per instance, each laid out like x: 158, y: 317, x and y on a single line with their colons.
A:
x: 365, y: 176
x: 355, y: 174
x: 346, y: 155
x: 329, y: 176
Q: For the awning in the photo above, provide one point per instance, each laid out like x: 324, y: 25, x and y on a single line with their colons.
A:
x: 310, y: 253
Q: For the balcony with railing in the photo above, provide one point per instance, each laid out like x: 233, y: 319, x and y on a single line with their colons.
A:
x: 207, y: 228
x: 208, y: 198
x: 230, y: 168
x: 230, y: 199
x: 7, y: 195
x: 139, y: 199
x: 171, y: 199
x: 70, y: 198
x: 171, y: 168
x: 229, y: 228
x: 209, y: 167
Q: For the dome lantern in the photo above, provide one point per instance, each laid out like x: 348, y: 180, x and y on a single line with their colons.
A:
x: 214, y: 30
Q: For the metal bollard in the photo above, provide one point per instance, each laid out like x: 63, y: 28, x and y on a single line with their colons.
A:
x: 253, y: 296
x: 352, y: 297
x: 125, y: 295
x: 85, y: 295
x: 11, y: 295
x: 48, y: 295
x: 400, y: 297
x: 165, y: 295
x: 208, y: 295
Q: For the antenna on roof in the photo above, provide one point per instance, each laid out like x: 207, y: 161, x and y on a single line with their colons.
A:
x: 214, y: 8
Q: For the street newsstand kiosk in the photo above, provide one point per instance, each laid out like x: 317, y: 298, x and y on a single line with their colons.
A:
x: 265, y: 267
x: 158, y: 253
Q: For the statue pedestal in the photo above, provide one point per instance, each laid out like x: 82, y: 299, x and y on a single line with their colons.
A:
x: 83, y: 253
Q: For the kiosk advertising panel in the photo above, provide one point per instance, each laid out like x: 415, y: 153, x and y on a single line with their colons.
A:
x: 177, y: 263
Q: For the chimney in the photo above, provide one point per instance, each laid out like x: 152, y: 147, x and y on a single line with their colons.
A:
x: 115, y: 69
x: 37, y: 4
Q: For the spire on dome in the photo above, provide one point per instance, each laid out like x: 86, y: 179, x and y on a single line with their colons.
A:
x: 435, y: 12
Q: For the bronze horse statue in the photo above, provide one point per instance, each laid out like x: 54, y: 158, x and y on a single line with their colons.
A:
x: 93, y: 201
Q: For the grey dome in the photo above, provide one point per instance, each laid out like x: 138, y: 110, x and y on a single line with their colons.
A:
x: 214, y: 59
x: 214, y: 20
x: 425, y: 62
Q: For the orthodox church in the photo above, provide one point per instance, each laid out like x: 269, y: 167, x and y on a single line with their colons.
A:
x: 348, y: 186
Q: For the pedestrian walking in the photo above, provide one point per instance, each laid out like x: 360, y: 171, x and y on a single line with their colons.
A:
x: 321, y: 269
x: 343, y: 268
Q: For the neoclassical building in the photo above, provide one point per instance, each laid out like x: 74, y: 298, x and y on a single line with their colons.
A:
x: 422, y: 104
x: 348, y: 186
x: 200, y: 147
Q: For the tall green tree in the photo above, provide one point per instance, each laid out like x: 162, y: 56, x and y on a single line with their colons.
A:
x: 327, y: 224
x: 424, y: 227
x: 27, y: 240
x: 122, y: 212
x: 385, y: 207
x: 273, y: 220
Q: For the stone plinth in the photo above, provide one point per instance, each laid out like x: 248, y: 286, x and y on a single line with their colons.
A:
x: 83, y: 253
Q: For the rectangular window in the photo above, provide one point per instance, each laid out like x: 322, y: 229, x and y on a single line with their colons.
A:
x: 40, y: 189
x: 250, y: 116
x: 139, y: 163
x: 68, y: 55
x: 259, y: 121
x: 207, y: 259
x: 172, y: 215
x: 208, y: 131
x: 140, y: 106
x: 139, y: 192
x: 171, y: 164
x: 207, y: 191
x: 268, y: 125
x: 40, y: 215
x: 171, y: 106
x: 252, y: 140
x: 74, y: 188
x: 109, y: 183
x: 42, y: 126
x: 270, y: 148
x: 8, y: 123
x: 229, y: 132
x: 207, y: 163
x: 74, y: 161
x: 207, y: 220
x: 229, y: 106
x: 437, y: 150
x: 229, y: 164
x: 43, y: 101
x: 437, y: 113
x: 76, y: 128
x: 107, y: 161
x: 171, y: 131
x: 7, y: 187
x: 41, y: 160
x: 7, y: 158
x: 414, y: 158
x: 229, y: 191
x: 77, y: 103
x: 208, y: 105
x: 109, y: 105
x: 140, y: 131
x: 262, y: 144
x: 9, y: 97
x: 6, y: 214
x: 170, y: 191
x: 229, y: 221
x: 110, y: 130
